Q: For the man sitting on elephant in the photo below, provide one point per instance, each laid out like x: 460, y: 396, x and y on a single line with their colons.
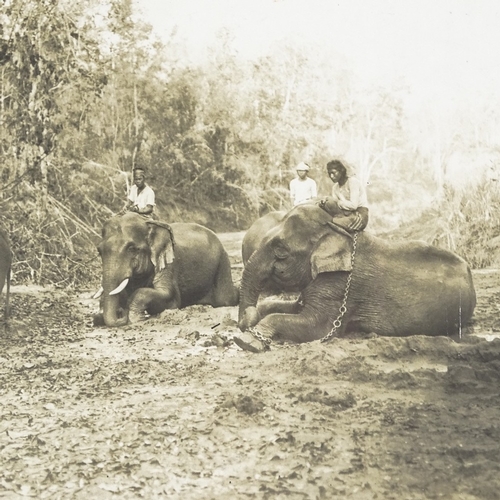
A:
x: 141, y: 198
x: 348, y: 204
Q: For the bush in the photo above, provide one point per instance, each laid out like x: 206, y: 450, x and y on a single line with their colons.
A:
x: 465, y: 221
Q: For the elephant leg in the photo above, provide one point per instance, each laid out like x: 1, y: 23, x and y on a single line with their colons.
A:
x: 153, y: 301
x: 268, y: 306
x: 295, y: 328
x: 314, y: 315
x: 316, y: 310
x: 272, y: 306
x: 280, y: 327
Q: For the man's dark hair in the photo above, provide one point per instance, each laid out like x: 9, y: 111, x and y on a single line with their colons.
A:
x: 336, y: 165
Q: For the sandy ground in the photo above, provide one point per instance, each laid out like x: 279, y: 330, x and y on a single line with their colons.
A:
x: 171, y: 408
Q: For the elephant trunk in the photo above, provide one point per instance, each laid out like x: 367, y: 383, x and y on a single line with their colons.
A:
x: 111, y: 300
x: 253, y: 281
x: 110, y: 311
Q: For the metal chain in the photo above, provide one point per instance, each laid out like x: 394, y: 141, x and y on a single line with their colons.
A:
x: 265, y: 340
x: 343, y: 308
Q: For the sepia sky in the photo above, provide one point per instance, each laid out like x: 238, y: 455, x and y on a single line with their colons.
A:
x: 445, y: 50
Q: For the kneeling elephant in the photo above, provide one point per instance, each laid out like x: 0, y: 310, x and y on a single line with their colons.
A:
x: 150, y: 266
x: 362, y: 283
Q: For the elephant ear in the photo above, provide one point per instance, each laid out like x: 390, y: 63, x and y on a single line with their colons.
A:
x: 332, y: 253
x: 161, y: 243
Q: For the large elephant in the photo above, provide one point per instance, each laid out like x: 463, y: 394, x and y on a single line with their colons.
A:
x: 257, y: 231
x: 396, y: 288
x: 5, y: 268
x: 150, y: 266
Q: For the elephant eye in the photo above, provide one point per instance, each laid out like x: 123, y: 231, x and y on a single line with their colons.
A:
x: 280, y: 252
x: 131, y: 248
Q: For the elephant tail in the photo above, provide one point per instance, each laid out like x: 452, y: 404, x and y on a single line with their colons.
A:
x: 7, y: 295
x: 472, y: 289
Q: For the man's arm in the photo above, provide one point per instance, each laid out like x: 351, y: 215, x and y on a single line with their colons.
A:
x: 148, y: 209
x: 353, y: 202
x: 127, y: 207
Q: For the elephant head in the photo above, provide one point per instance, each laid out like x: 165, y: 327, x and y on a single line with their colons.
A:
x: 131, y: 250
x: 302, y: 245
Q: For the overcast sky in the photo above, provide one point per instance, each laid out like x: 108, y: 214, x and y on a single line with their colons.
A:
x: 444, y: 49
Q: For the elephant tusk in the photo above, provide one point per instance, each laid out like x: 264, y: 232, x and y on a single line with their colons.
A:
x: 120, y: 287
x: 98, y: 293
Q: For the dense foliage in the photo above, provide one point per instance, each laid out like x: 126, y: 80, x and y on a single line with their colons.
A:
x: 87, y: 93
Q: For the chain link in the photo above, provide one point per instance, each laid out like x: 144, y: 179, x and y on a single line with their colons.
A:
x: 343, y: 308
x: 265, y: 340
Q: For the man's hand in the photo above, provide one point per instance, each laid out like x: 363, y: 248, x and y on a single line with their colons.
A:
x: 321, y: 203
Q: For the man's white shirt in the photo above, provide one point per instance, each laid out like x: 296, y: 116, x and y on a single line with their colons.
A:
x: 302, y: 190
x: 142, y: 199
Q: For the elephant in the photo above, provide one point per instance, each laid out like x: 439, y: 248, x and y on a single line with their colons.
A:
x: 150, y: 266
x: 257, y: 231
x: 363, y: 282
x: 5, y: 269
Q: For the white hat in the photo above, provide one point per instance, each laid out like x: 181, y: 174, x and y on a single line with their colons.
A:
x: 302, y: 166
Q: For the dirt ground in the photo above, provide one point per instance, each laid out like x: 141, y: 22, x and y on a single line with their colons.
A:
x: 171, y: 408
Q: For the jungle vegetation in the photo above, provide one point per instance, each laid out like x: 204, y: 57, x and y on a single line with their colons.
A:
x: 87, y: 92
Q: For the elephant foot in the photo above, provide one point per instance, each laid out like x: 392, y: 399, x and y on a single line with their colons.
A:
x: 248, y: 342
x: 136, y: 317
x: 249, y: 318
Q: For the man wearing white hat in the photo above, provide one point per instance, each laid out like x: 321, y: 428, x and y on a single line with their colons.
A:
x: 302, y: 188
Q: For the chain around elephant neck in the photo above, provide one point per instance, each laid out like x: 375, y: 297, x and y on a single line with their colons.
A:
x: 343, y: 308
